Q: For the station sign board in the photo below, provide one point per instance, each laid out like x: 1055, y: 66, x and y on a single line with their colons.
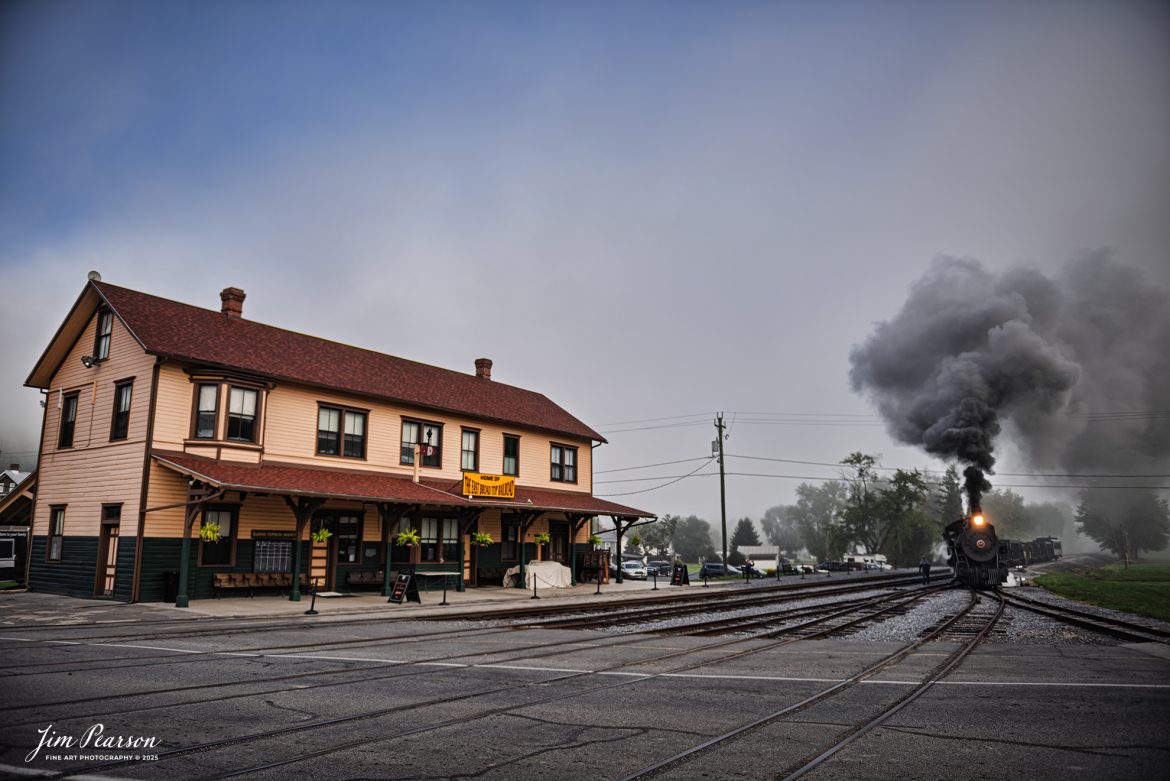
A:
x: 494, y: 486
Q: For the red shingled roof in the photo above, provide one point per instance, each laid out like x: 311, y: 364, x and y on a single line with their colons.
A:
x: 208, y: 337
x: 376, y: 487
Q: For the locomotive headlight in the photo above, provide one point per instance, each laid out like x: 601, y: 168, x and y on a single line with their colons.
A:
x: 978, y: 519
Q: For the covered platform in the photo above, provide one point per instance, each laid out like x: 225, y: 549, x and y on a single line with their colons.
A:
x: 288, y: 505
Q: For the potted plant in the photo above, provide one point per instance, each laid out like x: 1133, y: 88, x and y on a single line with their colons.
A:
x: 408, y: 538
x: 635, y: 541
x: 481, y: 539
x: 321, y: 535
x: 209, y: 532
x: 541, y: 540
x: 594, y: 540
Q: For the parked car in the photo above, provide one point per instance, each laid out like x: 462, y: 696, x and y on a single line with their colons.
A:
x: 633, y: 570
x: 714, y: 569
x: 660, y: 568
x: 753, y: 571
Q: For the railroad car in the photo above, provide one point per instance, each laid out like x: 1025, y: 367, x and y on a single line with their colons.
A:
x: 976, y: 554
x: 1021, y: 554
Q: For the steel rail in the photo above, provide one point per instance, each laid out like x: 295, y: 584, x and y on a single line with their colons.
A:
x: 939, y: 673
x: 1115, y: 627
x: 824, y: 694
x: 211, y: 745
x: 616, y: 616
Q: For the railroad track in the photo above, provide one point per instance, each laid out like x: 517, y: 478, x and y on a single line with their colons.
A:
x: 856, y: 731
x: 608, y: 616
x: 1114, y: 627
x: 830, y: 619
x: 731, y: 649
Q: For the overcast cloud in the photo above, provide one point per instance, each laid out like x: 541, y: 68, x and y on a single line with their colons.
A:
x: 643, y: 210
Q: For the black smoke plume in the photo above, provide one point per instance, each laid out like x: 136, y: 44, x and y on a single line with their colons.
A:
x: 1075, y: 366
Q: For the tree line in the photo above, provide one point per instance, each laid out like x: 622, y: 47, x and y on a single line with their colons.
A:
x: 901, y: 516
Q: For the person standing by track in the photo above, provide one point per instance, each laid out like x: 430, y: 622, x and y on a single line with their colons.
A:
x: 924, y: 569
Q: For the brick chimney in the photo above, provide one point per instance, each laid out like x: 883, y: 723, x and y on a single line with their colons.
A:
x: 14, y: 467
x: 233, y: 301
x: 483, y: 368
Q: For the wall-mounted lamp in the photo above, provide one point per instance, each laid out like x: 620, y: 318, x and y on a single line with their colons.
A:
x: 88, y: 361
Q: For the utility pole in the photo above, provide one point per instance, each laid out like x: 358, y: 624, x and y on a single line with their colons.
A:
x: 722, y: 490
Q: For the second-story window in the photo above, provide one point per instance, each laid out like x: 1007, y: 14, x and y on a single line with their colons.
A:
x: 511, y: 455
x: 469, y: 459
x: 564, y: 464
x: 241, y: 421
x: 341, y: 432
x: 68, y: 420
x: 105, y: 330
x: 429, y: 438
x: 120, y: 427
x: 206, y: 407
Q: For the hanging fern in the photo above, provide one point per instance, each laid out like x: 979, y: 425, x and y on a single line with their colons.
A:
x: 594, y: 540
x: 542, y: 538
x: 408, y: 538
x: 321, y: 535
x: 481, y: 539
x: 209, y: 532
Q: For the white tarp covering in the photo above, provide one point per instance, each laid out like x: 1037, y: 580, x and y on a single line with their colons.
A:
x: 548, y: 574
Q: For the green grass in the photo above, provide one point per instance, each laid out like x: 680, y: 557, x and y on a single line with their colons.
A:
x: 1143, y: 589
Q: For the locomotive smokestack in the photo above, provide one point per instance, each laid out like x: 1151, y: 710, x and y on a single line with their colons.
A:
x: 975, y: 484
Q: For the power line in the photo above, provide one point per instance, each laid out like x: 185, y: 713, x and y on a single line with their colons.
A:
x: 650, y: 466
x: 846, y: 419
x: 654, y: 420
x: 651, y: 428
x: 655, y: 488
x: 676, y: 478
x: 839, y: 465
x: 936, y: 472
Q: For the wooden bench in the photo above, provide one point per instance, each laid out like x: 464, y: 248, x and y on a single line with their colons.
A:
x: 235, y: 581
x: 364, y: 578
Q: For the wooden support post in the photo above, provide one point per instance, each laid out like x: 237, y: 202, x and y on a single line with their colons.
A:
x: 197, y: 498
x: 621, y: 525
x: 527, y: 519
x: 576, y: 523
x: 303, y: 509
x: 468, y: 518
x: 390, y: 514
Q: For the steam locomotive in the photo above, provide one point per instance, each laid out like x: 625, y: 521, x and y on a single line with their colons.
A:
x: 975, y: 553
x: 981, y: 560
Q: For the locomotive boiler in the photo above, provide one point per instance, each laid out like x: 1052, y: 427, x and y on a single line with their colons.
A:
x: 978, y: 557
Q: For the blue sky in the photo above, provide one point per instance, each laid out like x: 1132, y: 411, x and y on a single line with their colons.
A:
x: 642, y: 209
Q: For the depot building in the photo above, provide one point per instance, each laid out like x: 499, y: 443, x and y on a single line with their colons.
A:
x: 183, y: 447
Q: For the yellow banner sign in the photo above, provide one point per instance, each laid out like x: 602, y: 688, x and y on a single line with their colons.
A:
x: 498, y: 486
